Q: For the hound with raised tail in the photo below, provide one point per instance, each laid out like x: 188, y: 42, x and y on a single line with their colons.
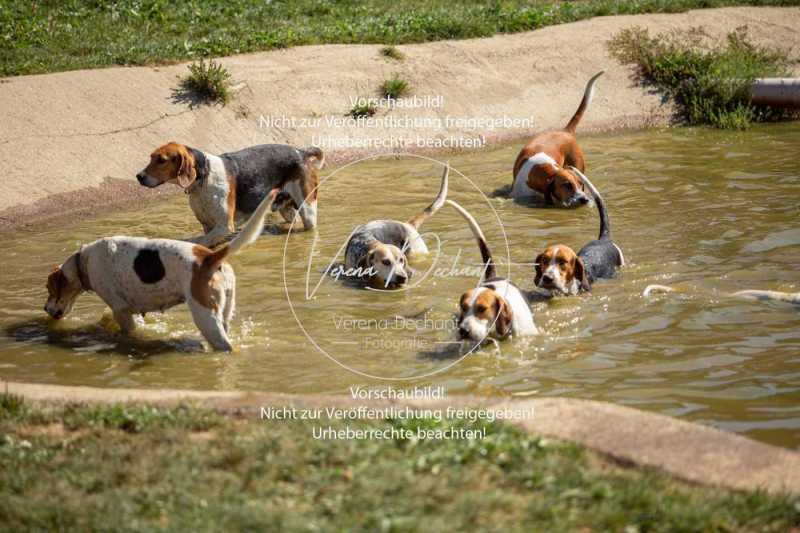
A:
x: 230, y: 186
x: 136, y: 276
x: 559, y: 270
x: 496, y: 308
x: 539, y: 171
x: 380, y: 250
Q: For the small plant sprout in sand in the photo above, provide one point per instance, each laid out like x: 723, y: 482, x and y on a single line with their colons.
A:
x: 392, y: 52
x: 207, y: 82
x: 364, y: 109
x: 394, y: 88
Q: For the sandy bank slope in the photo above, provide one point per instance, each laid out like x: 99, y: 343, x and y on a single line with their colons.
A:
x: 64, y: 133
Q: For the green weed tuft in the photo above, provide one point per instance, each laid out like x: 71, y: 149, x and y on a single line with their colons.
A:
x: 362, y: 110
x: 394, y: 88
x: 392, y: 52
x: 709, y: 81
x: 11, y: 405
x: 207, y: 82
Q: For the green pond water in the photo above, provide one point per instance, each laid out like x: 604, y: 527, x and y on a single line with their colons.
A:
x: 704, y: 211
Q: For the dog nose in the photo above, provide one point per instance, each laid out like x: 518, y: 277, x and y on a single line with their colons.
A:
x: 463, y: 333
x: 58, y: 315
x: 400, y: 279
x: 547, y: 279
x: 140, y: 177
x: 584, y: 200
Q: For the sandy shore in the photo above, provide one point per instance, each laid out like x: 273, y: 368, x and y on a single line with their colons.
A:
x: 72, y: 142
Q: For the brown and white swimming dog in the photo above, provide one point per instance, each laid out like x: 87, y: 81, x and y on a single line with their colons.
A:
x: 496, y: 308
x: 136, y: 276
x: 559, y: 270
x: 235, y: 183
x: 379, y: 250
x: 539, y: 171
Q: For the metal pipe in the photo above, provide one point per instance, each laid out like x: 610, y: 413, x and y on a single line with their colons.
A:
x: 776, y: 92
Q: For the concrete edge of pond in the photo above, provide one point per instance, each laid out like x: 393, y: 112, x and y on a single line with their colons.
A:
x: 688, y: 451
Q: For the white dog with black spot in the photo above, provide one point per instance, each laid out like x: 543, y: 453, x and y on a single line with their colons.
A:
x: 135, y: 275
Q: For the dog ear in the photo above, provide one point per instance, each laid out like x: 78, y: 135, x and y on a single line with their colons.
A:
x: 580, y: 275
x: 503, y: 320
x: 550, y: 190
x: 365, y: 263
x: 56, y: 282
x: 186, y: 172
x: 539, y: 270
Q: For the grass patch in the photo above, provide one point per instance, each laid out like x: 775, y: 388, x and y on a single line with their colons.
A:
x: 709, y: 81
x: 392, y: 52
x: 207, y: 83
x: 362, y: 110
x: 51, y: 36
x: 10, y: 405
x: 394, y: 88
x: 83, y: 468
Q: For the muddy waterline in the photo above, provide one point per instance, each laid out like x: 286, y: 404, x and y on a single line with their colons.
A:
x: 705, y: 211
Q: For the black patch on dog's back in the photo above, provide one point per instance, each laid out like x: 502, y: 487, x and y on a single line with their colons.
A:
x: 259, y: 169
x: 148, y: 266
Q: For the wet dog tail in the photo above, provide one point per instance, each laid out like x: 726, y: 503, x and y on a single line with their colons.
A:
x: 587, y: 98
x: 605, y: 223
x: 790, y: 297
x: 750, y: 294
x: 486, y: 255
x: 655, y: 289
x: 417, y: 220
x: 248, y: 234
x: 312, y: 152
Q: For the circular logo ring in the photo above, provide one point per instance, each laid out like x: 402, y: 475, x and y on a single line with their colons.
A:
x: 311, y: 338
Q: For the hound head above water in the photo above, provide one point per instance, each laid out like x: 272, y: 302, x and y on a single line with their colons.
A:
x: 484, y: 314
x: 170, y: 163
x: 388, y: 264
x: 559, y: 270
x: 559, y: 186
x: 566, y: 189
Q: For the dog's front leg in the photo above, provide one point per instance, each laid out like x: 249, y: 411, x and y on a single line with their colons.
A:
x: 212, y: 211
x: 230, y: 305
x: 211, y: 324
x: 125, y: 320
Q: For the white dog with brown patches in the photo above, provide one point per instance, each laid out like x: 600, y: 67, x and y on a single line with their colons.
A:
x: 542, y: 166
x: 135, y: 275
x: 496, y: 309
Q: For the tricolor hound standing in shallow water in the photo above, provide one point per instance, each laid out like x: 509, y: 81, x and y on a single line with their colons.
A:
x: 559, y: 270
x: 222, y: 187
x: 136, y: 276
x: 379, y: 250
x: 496, y: 309
x: 539, y: 169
